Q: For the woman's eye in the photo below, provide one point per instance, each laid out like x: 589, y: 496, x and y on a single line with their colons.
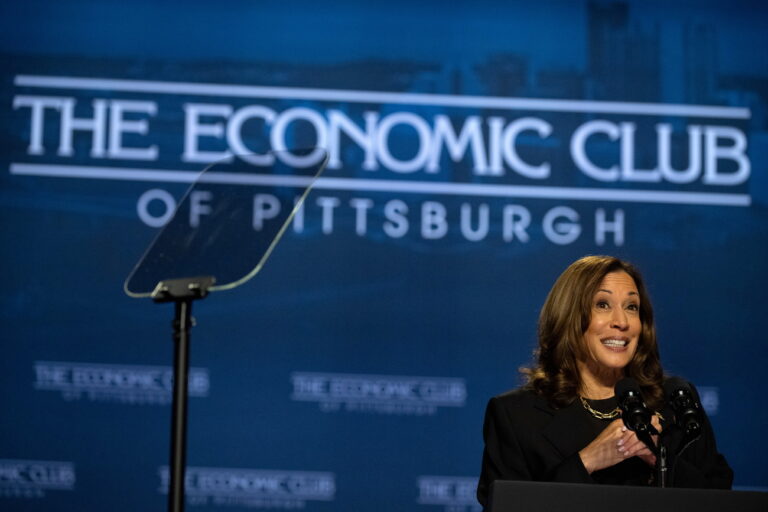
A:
x: 601, y: 304
x: 633, y: 307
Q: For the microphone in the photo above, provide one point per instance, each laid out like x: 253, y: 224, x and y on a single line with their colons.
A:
x: 637, y: 418
x: 686, y: 409
x: 634, y: 412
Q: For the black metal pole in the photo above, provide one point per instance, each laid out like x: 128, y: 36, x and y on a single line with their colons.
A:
x: 181, y: 292
x: 182, y: 324
x: 662, y: 458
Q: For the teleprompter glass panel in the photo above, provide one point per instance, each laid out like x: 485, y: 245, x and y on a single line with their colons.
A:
x: 229, y: 220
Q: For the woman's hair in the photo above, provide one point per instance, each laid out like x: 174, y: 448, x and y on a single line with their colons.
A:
x: 564, y: 319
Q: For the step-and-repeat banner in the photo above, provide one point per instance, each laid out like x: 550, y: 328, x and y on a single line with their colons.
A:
x: 474, y: 152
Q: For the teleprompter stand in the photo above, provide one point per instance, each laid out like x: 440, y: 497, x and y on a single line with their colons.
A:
x: 223, y: 230
x: 181, y: 292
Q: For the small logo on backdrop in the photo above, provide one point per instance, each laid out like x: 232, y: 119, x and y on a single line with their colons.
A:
x: 710, y: 399
x: 128, y: 384
x: 380, y: 394
x: 253, y: 488
x: 34, y: 478
x: 453, y: 493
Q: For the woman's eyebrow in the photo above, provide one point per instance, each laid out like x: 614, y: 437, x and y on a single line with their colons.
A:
x: 609, y: 291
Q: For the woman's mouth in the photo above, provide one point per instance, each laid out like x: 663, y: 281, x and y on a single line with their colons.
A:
x: 615, y: 343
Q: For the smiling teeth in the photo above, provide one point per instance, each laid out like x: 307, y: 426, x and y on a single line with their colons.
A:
x: 615, y: 343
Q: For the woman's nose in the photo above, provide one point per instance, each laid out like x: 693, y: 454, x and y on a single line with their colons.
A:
x: 619, y: 319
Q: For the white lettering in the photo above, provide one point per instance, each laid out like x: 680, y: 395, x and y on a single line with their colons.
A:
x: 38, y: 104
x: 361, y: 207
x: 327, y: 204
x: 265, y: 206
x: 279, y: 131
x: 561, y: 233
x: 194, y: 129
x: 735, y: 152
x: 603, y: 226
x: 517, y: 164
x: 197, y: 207
x: 142, y: 207
x: 298, y: 216
x: 118, y: 126
x: 664, y: 131
x: 338, y: 122
x: 457, y: 145
x: 474, y: 235
x: 579, y: 152
x: 95, y: 125
x: 396, y: 225
x: 433, y: 222
x: 628, y: 171
x: 515, y: 221
x: 495, y: 129
x: 422, y: 130
x: 235, y: 128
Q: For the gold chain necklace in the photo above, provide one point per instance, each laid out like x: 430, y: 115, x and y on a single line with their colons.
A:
x: 597, y: 414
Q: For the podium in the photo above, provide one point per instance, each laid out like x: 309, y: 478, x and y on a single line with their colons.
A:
x: 522, y: 496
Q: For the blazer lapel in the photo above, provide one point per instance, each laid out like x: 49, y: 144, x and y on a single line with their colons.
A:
x: 568, y: 432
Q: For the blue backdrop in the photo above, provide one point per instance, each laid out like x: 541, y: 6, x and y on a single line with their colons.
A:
x: 475, y: 150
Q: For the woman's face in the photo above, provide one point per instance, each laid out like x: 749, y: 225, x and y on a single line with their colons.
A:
x: 614, y: 328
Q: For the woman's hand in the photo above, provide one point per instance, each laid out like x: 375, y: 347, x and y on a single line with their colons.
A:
x: 615, y: 444
x: 603, y: 451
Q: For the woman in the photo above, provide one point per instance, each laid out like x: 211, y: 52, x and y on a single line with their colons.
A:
x: 563, y: 425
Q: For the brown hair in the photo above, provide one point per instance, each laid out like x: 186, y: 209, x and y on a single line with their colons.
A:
x: 565, y: 317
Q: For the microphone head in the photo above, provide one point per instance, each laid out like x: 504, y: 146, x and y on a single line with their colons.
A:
x: 687, y: 411
x: 635, y: 414
x: 674, y: 386
x: 625, y: 386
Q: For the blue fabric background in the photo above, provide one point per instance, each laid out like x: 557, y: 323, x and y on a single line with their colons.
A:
x: 341, y: 304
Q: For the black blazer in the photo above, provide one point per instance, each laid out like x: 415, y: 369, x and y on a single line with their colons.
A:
x: 528, y: 439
